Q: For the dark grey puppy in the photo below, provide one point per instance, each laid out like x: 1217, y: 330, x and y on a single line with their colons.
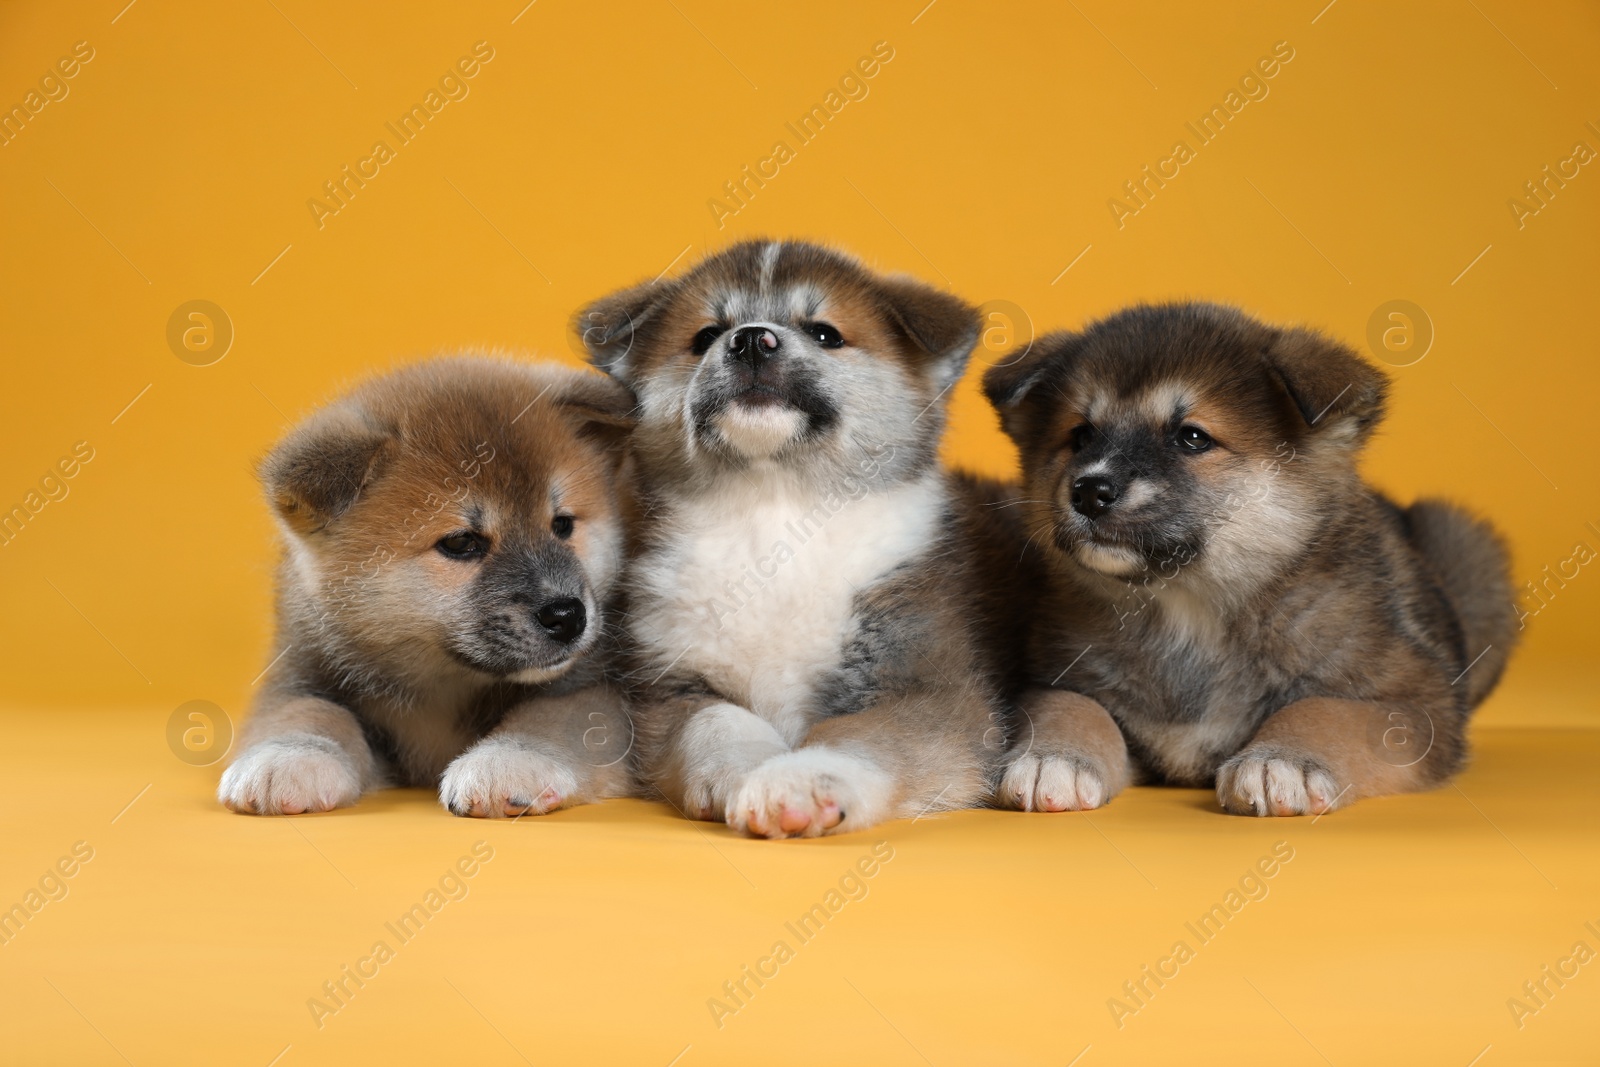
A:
x: 1223, y: 585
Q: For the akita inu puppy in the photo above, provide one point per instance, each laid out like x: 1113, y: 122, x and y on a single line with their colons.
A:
x: 814, y: 648
x: 451, y: 532
x: 1224, y: 587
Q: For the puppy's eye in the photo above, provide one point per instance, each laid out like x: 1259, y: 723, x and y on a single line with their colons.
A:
x: 562, y: 526
x: 824, y: 334
x: 464, y: 545
x: 1080, y: 437
x: 704, y: 339
x: 1194, y: 439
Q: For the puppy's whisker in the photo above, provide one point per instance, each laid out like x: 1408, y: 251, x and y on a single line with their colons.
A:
x: 1014, y: 503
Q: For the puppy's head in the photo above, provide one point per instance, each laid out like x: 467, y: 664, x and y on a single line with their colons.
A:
x: 1185, y: 439
x: 454, y: 518
x: 784, y: 353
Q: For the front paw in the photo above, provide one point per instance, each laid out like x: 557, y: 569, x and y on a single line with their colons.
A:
x: 290, y: 776
x: 720, y: 745
x: 502, y: 779
x: 707, y: 792
x: 811, y: 792
x: 1268, y: 780
x: 1061, y: 781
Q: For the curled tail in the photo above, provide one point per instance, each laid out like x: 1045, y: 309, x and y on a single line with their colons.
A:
x: 1470, y: 561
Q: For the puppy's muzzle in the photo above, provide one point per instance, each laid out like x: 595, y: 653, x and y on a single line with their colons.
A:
x: 1093, y: 497
x: 562, y: 620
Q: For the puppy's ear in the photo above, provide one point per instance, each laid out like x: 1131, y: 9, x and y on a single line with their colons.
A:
x: 1009, y: 382
x: 602, y: 409
x: 318, y: 471
x: 943, y: 326
x: 1337, y: 393
x: 610, y: 326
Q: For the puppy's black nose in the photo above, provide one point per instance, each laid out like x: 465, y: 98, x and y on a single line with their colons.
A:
x: 1093, y: 497
x: 562, y: 619
x: 753, y: 345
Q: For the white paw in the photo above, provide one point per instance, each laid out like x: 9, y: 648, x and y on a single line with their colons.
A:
x: 707, y: 791
x: 1057, y: 782
x: 1273, y: 781
x: 720, y: 745
x: 500, y: 778
x: 811, y: 792
x: 289, y: 776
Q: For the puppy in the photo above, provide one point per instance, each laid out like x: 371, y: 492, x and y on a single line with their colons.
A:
x: 805, y: 629
x: 1223, y: 586
x: 451, y: 533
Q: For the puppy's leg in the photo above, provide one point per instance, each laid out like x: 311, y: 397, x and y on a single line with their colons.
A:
x: 1069, y: 755
x: 905, y: 755
x: 298, y: 754
x: 708, y: 752
x: 547, y: 753
x: 1321, y: 753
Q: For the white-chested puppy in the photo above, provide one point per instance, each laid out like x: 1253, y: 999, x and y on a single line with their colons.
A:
x: 452, y: 532
x: 813, y: 646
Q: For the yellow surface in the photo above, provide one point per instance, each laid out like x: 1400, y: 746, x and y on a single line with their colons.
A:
x: 1380, y: 166
x: 1396, y: 933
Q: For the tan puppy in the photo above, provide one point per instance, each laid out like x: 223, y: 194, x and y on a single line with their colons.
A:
x: 451, y: 534
x: 813, y: 646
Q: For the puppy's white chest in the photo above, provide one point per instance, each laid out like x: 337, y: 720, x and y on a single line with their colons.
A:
x: 755, y: 589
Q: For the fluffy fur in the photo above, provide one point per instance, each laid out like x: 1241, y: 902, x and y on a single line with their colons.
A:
x: 1223, y: 585
x: 452, y: 533
x: 811, y: 646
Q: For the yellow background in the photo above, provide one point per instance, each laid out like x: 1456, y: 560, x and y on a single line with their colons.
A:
x: 179, y: 167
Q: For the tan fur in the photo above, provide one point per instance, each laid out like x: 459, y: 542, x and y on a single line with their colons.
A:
x: 1318, y: 754
x: 1069, y: 755
x: 397, y: 659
